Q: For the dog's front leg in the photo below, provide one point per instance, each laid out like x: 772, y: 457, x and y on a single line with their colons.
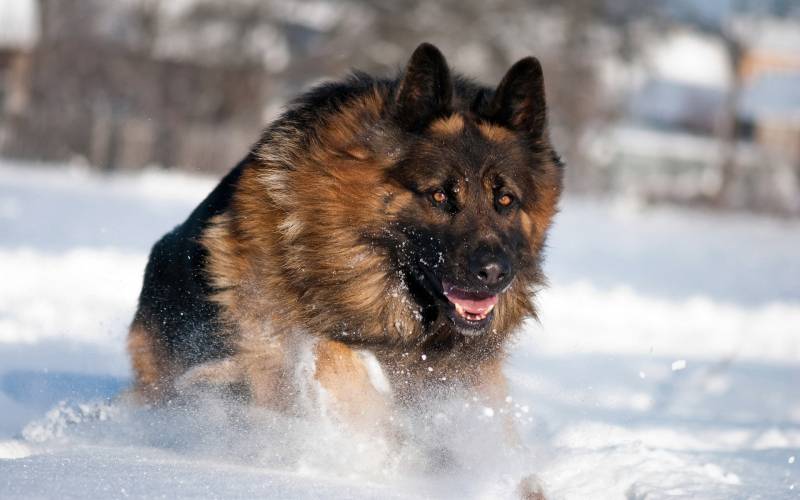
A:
x: 491, y: 387
x: 357, y: 399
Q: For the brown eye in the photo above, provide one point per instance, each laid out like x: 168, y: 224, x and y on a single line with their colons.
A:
x: 505, y: 200
x: 439, y: 196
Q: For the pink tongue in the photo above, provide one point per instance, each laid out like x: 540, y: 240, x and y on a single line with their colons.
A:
x: 471, y: 306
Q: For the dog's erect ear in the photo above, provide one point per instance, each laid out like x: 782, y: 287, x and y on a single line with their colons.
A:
x: 426, y: 89
x: 519, y: 99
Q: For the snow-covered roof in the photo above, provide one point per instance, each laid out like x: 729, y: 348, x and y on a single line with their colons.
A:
x: 207, y: 39
x: 19, y: 23
x: 771, y: 35
x: 690, y: 57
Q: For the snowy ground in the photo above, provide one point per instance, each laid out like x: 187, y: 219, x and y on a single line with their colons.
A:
x: 666, y: 365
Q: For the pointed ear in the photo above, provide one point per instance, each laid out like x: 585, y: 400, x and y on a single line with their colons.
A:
x: 426, y: 89
x: 519, y: 99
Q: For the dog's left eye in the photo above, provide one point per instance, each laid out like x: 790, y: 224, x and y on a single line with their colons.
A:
x: 505, y: 200
x: 439, y: 196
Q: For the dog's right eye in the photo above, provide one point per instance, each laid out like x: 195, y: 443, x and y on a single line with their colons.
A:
x: 439, y: 196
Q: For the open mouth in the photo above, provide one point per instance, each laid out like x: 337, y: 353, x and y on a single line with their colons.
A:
x: 473, y: 307
x: 470, y: 310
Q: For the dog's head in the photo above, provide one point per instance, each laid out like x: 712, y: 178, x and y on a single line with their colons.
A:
x: 483, y: 183
x: 412, y: 204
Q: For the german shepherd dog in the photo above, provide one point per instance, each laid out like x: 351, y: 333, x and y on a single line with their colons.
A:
x: 389, y: 224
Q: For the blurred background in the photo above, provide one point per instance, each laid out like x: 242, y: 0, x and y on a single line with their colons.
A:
x: 680, y: 101
x: 666, y: 360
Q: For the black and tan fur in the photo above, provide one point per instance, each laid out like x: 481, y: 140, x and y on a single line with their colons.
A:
x: 327, y: 231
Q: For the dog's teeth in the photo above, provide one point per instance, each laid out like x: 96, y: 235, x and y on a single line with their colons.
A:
x: 473, y: 316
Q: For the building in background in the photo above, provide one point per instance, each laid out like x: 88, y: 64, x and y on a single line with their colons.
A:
x: 712, y: 118
x: 100, y: 90
x: 680, y: 101
x: 19, y: 34
x: 771, y: 72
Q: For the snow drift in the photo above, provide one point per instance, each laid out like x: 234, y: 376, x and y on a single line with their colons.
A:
x: 666, y: 364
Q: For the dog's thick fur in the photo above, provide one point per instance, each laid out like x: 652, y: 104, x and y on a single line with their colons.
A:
x: 337, y: 232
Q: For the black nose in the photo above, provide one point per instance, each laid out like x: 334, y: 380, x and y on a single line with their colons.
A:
x: 492, y: 273
x: 491, y: 269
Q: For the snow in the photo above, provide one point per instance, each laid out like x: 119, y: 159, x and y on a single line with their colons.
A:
x: 19, y: 26
x: 689, y: 56
x: 678, y: 365
x: 666, y: 364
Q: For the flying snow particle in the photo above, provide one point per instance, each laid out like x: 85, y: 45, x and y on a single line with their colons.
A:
x: 642, y: 374
x: 791, y: 459
x: 488, y: 412
x: 678, y: 365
